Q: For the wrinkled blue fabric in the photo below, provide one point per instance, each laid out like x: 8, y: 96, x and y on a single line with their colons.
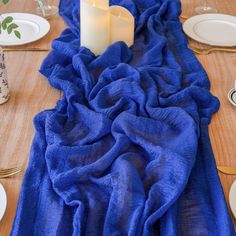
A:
x: 126, y: 150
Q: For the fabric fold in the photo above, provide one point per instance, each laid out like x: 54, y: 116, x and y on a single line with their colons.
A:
x: 126, y: 149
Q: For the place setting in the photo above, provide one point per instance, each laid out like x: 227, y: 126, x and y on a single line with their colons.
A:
x: 216, y: 30
x: 5, y: 173
x: 211, y: 28
x: 117, y: 117
x: 33, y: 27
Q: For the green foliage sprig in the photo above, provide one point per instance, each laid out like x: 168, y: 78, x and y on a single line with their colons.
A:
x: 8, y: 24
x: 5, y: 1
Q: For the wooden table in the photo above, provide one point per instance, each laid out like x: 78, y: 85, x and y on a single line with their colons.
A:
x: 31, y: 93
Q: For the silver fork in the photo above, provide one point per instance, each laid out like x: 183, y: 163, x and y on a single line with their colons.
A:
x: 5, y: 173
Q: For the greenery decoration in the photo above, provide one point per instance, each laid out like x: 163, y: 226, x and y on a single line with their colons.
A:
x: 8, y: 24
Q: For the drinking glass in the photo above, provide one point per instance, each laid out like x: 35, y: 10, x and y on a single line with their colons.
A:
x: 45, y: 9
x: 205, y: 8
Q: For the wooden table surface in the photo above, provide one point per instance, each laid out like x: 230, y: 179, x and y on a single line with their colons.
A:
x: 31, y: 93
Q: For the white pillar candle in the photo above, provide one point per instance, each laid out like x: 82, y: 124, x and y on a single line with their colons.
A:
x: 121, y: 25
x: 94, y: 25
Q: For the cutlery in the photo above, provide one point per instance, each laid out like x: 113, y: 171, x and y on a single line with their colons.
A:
x: 206, y: 51
x: 227, y: 170
x: 184, y: 17
x: 26, y: 49
x: 4, y: 173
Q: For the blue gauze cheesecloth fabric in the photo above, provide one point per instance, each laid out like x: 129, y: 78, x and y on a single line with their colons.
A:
x: 126, y: 150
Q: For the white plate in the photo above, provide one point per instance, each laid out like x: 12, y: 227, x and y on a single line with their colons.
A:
x: 232, y: 198
x: 31, y: 27
x: 212, y: 29
x: 3, y: 201
x: 232, y: 96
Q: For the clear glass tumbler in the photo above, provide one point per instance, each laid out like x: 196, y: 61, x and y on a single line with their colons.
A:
x: 45, y: 9
x: 205, y: 8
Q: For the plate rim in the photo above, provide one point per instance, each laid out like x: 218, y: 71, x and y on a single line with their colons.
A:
x: 5, y: 198
x: 43, y: 31
x: 233, y: 186
x: 189, y: 23
x: 231, y: 91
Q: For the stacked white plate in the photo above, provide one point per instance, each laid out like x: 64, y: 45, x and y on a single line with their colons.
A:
x: 3, y: 201
x: 232, y: 198
x: 31, y: 28
x: 212, y: 29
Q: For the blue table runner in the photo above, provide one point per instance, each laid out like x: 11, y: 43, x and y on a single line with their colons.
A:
x: 126, y: 150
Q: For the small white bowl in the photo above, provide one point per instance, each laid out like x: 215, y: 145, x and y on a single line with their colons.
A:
x: 232, y: 96
x: 232, y: 198
x: 3, y: 201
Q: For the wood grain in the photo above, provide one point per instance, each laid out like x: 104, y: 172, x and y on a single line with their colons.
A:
x: 31, y: 93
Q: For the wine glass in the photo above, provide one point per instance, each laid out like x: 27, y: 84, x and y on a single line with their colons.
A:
x: 206, y: 8
x: 46, y: 10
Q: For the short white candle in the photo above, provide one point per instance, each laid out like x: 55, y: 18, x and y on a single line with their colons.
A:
x: 94, y: 25
x: 121, y: 25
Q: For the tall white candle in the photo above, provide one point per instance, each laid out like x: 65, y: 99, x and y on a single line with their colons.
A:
x: 94, y: 25
x: 121, y: 25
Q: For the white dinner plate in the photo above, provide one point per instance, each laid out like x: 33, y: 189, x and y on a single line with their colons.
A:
x: 232, y: 198
x: 212, y: 29
x: 232, y: 97
x: 31, y: 27
x: 3, y: 201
